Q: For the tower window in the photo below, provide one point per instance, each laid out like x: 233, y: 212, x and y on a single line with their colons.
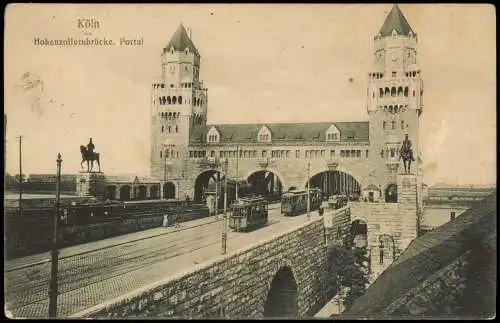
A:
x: 169, y: 129
x: 381, y: 92
x: 160, y: 154
x: 393, y: 74
x: 382, y: 153
x: 367, y: 153
x: 383, y: 125
x: 171, y: 85
x: 373, y: 95
x: 174, y: 100
x: 413, y: 92
x: 402, y: 124
x: 185, y: 67
x: 180, y: 99
x: 176, y: 128
x: 162, y: 129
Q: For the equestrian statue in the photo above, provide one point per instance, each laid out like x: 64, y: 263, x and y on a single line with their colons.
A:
x: 89, y: 155
x: 406, y: 153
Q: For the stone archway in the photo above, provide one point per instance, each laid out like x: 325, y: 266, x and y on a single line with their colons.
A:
x: 282, y: 298
x: 391, y: 193
x: 336, y: 182
x: 125, y: 193
x: 142, y: 192
x: 359, y: 233
x: 202, y: 182
x: 169, y: 190
x: 266, y: 183
x: 110, y: 192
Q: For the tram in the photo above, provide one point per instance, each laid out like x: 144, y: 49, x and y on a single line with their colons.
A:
x: 248, y: 213
x: 294, y: 202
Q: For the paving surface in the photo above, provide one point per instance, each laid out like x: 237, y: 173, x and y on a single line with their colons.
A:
x: 93, y: 273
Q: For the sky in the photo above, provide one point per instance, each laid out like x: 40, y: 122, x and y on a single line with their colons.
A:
x: 260, y: 63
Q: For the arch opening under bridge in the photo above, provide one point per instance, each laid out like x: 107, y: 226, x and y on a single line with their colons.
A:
x: 336, y: 183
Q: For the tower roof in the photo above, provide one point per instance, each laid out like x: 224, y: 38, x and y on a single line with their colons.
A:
x: 395, y: 21
x: 180, y: 40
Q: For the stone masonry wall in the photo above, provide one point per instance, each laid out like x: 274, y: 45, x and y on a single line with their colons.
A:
x: 337, y: 223
x: 398, y: 220
x: 438, y: 290
x: 235, y: 285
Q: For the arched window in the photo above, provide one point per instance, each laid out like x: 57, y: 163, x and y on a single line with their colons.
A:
x: 387, y: 91
x: 390, y: 109
x: 400, y: 91
x: 381, y: 94
x: 393, y: 91
x: 383, y: 125
x: 162, y: 129
x: 177, y: 155
x: 160, y: 100
x: 169, y: 129
x: 169, y: 101
x: 176, y: 128
x: 180, y: 99
x: 174, y: 100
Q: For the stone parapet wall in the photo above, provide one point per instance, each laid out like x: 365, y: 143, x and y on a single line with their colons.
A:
x: 337, y: 223
x: 235, y: 285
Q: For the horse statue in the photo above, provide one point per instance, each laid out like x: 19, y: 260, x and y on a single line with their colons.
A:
x: 89, y: 157
x: 406, y: 153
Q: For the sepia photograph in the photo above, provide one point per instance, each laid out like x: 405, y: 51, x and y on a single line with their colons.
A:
x: 250, y: 161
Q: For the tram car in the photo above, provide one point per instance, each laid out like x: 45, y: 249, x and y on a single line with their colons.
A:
x: 294, y: 202
x: 248, y: 213
x: 338, y: 201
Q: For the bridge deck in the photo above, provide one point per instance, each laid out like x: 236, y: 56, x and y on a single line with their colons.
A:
x: 103, y: 274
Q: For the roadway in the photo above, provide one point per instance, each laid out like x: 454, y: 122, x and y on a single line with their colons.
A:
x: 95, y: 272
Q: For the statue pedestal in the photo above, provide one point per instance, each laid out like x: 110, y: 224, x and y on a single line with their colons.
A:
x: 91, y: 184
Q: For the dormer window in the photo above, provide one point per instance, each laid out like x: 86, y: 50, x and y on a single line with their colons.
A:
x: 213, y: 135
x: 264, y: 135
x: 332, y: 134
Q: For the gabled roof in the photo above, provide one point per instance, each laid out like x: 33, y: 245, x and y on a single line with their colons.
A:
x: 395, y: 21
x: 284, y: 132
x: 180, y: 41
x: 428, y: 254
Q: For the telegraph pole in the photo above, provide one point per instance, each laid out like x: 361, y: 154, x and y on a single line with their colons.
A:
x: 55, y: 252
x: 224, y: 220
x: 20, y: 174
x: 308, y: 194
x: 237, y: 158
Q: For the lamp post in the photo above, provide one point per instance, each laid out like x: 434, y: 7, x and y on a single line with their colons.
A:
x: 55, y: 252
x: 237, y: 158
x: 308, y: 194
x: 224, y: 220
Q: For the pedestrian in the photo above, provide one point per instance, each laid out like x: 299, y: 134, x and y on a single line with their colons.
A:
x: 176, y: 221
x: 165, y: 220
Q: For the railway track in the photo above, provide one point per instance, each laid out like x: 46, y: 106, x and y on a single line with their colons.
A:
x: 84, y: 277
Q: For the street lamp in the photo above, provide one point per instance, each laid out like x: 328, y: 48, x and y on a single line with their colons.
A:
x: 55, y: 252
x: 225, y: 219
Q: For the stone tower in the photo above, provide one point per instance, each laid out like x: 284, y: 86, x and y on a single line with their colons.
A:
x: 179, y: 105
x: 394, y: 102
